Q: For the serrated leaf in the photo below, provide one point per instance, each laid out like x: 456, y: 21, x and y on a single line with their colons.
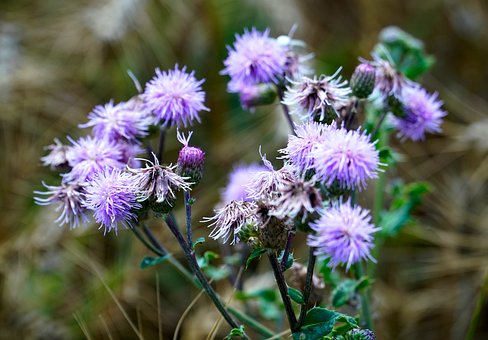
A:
x: 198, y: 241
x: 149, y: 261
x: 318, y: 323
x: 296, y: 295
x: 255, y: 254
x: 343, y: 292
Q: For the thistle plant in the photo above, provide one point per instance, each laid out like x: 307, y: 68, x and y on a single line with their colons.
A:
x: 337, y: 147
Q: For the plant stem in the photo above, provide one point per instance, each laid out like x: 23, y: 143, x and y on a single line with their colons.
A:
x: 190, y: 256
x: 480, y: 301
x: 162, y: 137
x: 251, y: 322
x: 286, y: 251
x: 308, y: 287
x: 280, y: 281
x: 146, y: 243
x: 286, y: 111
x: 365, y: 310
x: 188, y: 219
x: 379, y: 123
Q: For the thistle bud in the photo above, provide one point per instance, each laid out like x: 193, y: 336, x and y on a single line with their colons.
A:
x: 363, y: 80
x: 272, y: 231
x: 360, y: 334
x: 190, y: 161
x: 255, y: 95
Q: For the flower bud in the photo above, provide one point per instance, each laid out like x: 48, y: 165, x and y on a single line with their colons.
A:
x: 360, y: 334
x: 190, y: 163
x: 363, y: 80
x: 255, y: 95
x: 272, y: 231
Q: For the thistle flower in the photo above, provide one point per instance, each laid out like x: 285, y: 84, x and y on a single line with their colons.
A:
x: 190, y: 160
x: 69, y: 197
x: 239, y: 179
x: 229, y: 220
x: 317, y: 96
x: 296, y: 197
x: 130, y: 153
x: 110, y: 194
x: 119, y: 121
x: 255, y: 58
x: 299, y: 148
x: 272, y: 231
x: 296, y: 65
x: 345, y: 156
x: 57, y: 157
x: 389, y: 81
x: 175, y: 97
x: 90, y: 155
x: 157, y: 181
x: 343, y: 233
x: 423, y: 113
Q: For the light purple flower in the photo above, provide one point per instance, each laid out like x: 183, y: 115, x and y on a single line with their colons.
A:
x: 255, y: 58
x: 190, y: 159
x: 89, y: 155
x: 119, y: 121
x: 175, y: 97
x: 389, y: 81
x: 239, y: 179
x: 344, y: 234
x: 69, y: 197
x: 299, y: 148
x: 345, y: 156
x: 423, y: 113
x: 131, y: 151
x: 110, y: 194
x: 310, y: 98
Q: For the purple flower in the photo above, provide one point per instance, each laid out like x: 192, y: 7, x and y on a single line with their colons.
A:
x: 255, y: 58
x: 69, y: 197
x: 57, y: 157
x: 190, y: 159
x: 389, y: 81
x: 343, y: 233
x: 230, y: 219
x: 175, y: 97
x: 318, y: 96
x: 423, y: 113
x: 345, y: 156
x: 239, y: 179
x: 110, y: 194
x: 89, y: 155
x: 130, y: 153
x: 299, y: 148
x: 119, y: 121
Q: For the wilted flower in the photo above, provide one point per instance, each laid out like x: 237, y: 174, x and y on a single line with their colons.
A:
x: 119, y: 121
x: 272, y: 230
x: 90, y: 155
x: 389, y: 81
x: 422, y: 113
x: 310, y: 98
x: 230, y: 219
x: 239, y: 179
x: 344, y: 234
x: 69, y: 197
x: 57, y: 157
x: 175, y: 97
x: 255, y: 58
x: 110, y: 194
x: 345, y: 156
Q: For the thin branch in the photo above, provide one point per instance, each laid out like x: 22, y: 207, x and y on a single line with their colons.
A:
x: 308, y: 287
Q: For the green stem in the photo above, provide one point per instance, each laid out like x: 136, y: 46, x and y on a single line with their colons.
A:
x: 365, y: 308
x: 308, y: 287
x: 188, y: 219
x: 286, y: 111
x: 251, y: 322
x: 480, y: 301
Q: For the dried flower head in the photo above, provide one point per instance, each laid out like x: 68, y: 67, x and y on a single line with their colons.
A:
x: 229, y: 220
x: 272, y: 230
x: 422, y: 113
x: 389, y: 81
x: 310, y: 98
x: 69, y: 197
x: 239, y: 179
x: 255, y: 58
x: 175, y: 97
x: 344, y: 234
x: 110, y: 194
x: 57, y: 157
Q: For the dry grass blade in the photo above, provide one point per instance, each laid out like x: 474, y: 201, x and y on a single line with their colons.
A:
x: 185, y: 313
x: 82, y: 325
x: 105, y: 326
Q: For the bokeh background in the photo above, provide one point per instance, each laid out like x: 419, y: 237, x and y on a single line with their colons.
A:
x: 58, y: 59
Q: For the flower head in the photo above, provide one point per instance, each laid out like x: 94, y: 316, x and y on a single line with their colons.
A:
x: 309, y: 97
x: 343, y: 233
x: 175, y: 97
x: 57, y: 157
x: 423, y: 113
x: 389, y: 81
x: 255, y: 58
x: 190, y: 159
x: 345, y: 156
x: 229, y: 220
x: 90, y: 155
x: 69, y: 197
x: 119, y: 121
x: 110, y: 194
x: 239, y: 179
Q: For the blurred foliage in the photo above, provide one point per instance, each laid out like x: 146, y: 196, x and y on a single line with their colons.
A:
x: 58, y: 59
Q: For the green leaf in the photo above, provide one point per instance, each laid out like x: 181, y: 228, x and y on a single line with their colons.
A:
x: 331, y: 277
x: 149, y: 261
x: 267, y: 300
x: 198, y: 241
x: 318, y: 323
x: 236, y: 332
x: 363, y: 283
x: 217, y: 273
x: 343, y: 292
x: 296, y: 295
x: 289, y: 260
x: 255, y: 254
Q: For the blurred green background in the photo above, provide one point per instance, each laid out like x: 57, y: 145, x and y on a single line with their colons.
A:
x: 58, y: 59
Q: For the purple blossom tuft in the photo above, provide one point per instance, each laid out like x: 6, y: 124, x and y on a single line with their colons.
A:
x: 175, y: 97
x: 343, y: 233
x: 190, y: 159
x: 346, y: 156
x: 255, y: 58
x: 110, y: 194
x: 389, y: 81
x: 423, y: 113
x: 89, y: 155
x: 239, y: 179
